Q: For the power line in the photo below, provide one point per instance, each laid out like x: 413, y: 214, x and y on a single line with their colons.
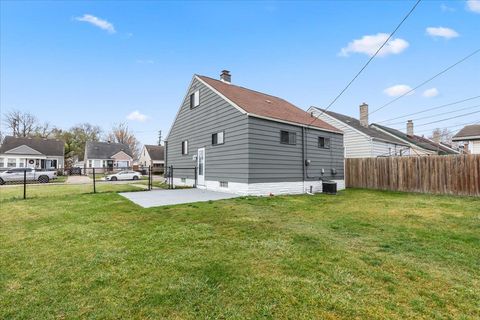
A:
x: 449, y: 127
x: 430, y: 109
x: 426, y: 81
x: 436, y: 115
x: 441, y: 120
x: 368, y: 62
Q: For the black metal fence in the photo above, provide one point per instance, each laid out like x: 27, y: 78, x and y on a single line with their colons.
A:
x: 185, y: 174
x: 19, y: 181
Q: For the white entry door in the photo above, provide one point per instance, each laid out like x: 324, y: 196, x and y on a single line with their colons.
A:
x: 201, y: 166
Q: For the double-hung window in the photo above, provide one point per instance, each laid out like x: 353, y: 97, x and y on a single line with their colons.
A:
x: 218, y: 138
x: 195, y: 99
x: 184, y: 147
x: 324, y: 143
x: 287, y: 137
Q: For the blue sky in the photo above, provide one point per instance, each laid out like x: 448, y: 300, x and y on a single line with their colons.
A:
x: 71, y: 62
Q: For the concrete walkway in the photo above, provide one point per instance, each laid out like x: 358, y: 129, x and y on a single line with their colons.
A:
x: 157, y: 198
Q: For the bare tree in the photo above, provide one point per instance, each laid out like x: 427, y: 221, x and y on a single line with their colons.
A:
x: 442, y: 135
x: 121, y: 134
x: 21, y: 124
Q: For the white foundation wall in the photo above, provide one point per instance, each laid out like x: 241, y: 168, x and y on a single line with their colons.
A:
x: 262, y: 189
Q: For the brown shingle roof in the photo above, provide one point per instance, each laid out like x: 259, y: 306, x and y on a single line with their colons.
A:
x: 467, y: 131
x: 264, y: 105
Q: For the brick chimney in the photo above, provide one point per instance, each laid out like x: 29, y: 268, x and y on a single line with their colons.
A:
x: 410, y: 128
x: 364, y: 114
x: 436, y: 136
x: 225, y: 76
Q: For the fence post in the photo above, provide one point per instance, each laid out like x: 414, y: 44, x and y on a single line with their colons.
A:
x: 149, y: 178
x: 25, y: 184
x: 94, y: 186
x: 195, y: 173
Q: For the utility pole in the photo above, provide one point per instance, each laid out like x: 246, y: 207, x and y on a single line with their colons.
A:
x: 160, y: 137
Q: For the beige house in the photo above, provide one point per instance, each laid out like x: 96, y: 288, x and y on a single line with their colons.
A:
x: 153, y: 156
x: 470, y: 136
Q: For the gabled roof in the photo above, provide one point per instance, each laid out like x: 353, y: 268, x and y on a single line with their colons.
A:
x: 48, y: 147
x: 369, y: 131
x: 263, y: 105
x: 105, y: 150
x: 471, y: 132
x: 155, y: 152
x: 421, y: 142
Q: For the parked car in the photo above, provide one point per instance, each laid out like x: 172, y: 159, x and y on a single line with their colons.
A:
x: 124, y: 175
x: 17, y: 174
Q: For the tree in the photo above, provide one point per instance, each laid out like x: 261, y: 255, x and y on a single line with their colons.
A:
x: 21, y: 124
x: 121, y: 134
x: 441, y: 135
x: 24, y: 124
x: 76, y: 138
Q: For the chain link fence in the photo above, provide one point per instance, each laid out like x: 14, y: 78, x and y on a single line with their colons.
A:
x: 27, y: 182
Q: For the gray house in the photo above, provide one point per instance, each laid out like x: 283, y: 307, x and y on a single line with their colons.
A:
x: 250, y: 143
x: 37, y: 153
x: 107, y: 155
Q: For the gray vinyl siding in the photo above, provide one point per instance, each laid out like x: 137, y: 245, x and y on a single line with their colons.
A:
x: 383, y: 149
x: 272, y: 161
x: 226, y: 162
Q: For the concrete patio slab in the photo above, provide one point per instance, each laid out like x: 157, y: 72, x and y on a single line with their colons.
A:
x: 157, y: 198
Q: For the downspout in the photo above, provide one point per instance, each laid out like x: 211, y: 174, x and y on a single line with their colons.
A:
x: 304, y: 169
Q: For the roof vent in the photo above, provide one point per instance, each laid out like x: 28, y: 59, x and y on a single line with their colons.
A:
x: 268, y: 101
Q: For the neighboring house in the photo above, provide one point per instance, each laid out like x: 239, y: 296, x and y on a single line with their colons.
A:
x: 152, y: 156
x: 107, y: 155
x: 34, y: 153
x: 420, y: 146
x: 247, y: 142
x: 361, y: 140
x: 470, y: 136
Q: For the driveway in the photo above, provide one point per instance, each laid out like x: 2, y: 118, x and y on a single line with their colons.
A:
x: 157, y: 198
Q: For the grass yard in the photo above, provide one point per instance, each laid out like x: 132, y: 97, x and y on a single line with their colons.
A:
x: 360, y: 254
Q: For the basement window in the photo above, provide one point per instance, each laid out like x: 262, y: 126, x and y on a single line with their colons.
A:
x: 184, y: 180
x: 323, y: 143
x: 185, y: 147
x: 195, y: 99
x: 218, y: 138
x: 287, y: 137
x: 223, y: 184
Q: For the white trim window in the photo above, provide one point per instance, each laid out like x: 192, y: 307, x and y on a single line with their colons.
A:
x: 195, y: 99
x: 185, y: 147
x: 218, y: 138
x: 11, y: 163
x: 287, y: 137
x: 323, y: 143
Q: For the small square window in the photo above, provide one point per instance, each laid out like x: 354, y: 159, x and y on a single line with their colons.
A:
x: 218, y: 138
x: 287, y: 137
x: 324, y: 143
x: 184, y: 147
x: 223, y: 184
x: 195, y: 99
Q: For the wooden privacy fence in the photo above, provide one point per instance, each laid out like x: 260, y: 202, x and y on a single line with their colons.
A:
x: 458, y: 174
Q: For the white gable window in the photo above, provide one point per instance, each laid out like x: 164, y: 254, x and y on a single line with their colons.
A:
x: 195, y: 99
x: 184, y: 147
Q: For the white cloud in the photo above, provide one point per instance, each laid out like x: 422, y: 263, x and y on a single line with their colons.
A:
x: 369, y: 44
x: 397, y: 90
x: 430, y: 93
x: 137, y: 116
x: 473, y: 5
x: 446, y: 8
x: 102, y: 24
x: 446, y: 33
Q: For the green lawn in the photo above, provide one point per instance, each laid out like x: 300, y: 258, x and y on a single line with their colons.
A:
x: 360, y: 254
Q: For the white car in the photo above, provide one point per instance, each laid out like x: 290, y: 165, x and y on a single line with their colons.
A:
x: 124, y: 175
